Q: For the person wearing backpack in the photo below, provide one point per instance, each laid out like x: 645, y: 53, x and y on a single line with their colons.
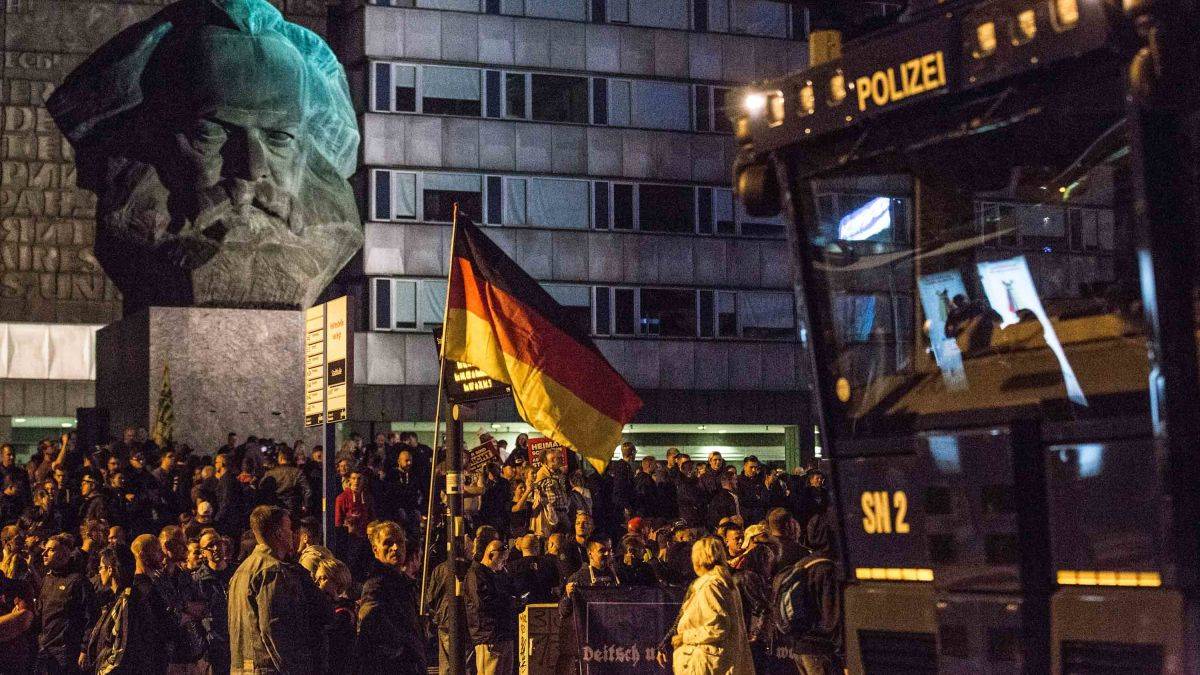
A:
x: 807, y: 605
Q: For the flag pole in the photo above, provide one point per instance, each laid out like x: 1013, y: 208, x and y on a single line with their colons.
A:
x: 437, y: 414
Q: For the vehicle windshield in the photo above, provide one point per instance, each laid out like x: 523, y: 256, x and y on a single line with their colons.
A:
x: 985, y: 264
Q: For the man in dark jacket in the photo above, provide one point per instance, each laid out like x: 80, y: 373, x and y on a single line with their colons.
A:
x: 438, y: 597
x: 751, y: 491
x: 688, y: 493
x: 277, y: 615
x: 621, y: 473
x: 174, y: 482
x: 816, y: 651
x: 404, y: 497
x: 725, y: 503
x: 534, y: 575
x: 389, y: 635
x: 93, y: 504
x: 710, y: 482
x: 491, y: 612
x: 783, y: 533
x: 285, y: 485
x: 230, y: 518
x: 66, y: 604
x: 152, y: 625
x: 212, y: 580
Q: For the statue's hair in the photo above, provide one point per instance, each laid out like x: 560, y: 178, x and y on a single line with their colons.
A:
x: 110, y: 85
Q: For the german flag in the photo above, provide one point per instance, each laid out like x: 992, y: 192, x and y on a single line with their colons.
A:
x: 501, y: 321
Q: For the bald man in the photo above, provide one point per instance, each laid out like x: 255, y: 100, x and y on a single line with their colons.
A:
x: 151, y: 623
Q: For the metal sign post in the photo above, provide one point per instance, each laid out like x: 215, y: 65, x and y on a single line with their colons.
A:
x: 327, y: 356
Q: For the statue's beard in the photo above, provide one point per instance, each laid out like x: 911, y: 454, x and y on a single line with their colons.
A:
x: 231, y: 244
x: 228, y: 208
x: 220, y: 218
x: 189, y: 231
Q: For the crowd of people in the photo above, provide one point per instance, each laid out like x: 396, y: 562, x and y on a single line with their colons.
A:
x: 131, y: 558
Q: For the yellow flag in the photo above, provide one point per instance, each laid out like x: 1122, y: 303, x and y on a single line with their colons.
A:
x: 164, y: 417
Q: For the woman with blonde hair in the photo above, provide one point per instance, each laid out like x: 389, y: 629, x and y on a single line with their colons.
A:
x: 710, y: 633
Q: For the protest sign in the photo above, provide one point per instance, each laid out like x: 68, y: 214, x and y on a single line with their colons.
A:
x: 537, y: 445
x: 479, y: 456
x: 620, y: 627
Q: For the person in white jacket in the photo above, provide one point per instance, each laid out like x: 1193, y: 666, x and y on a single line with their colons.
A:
x: 710, y: 635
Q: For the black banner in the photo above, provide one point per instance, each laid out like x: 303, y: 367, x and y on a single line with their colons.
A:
x: 620, y: 627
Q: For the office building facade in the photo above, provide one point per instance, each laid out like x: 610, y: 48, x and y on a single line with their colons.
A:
x: 590, y: 139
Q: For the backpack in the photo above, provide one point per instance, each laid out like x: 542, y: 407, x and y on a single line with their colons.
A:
x: 793, y: 611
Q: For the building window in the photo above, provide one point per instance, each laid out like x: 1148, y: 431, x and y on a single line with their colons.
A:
x: 439, y: 192
x: 571, y: 10
x: 450, y: 91
x: 457, y: 5
x: 705, y: 313
x: 997, y: 224
x: 394, y: 304
x: 666, y: 208
x: 765, y: 18
x: 708, y: 104
x: 394, y: 88
x: 560, y: 203
x: 617, y: 102
x: 576, y: 304
x: 1090, y: 229
x: 493, y: 93
x: 545, y: 97
x: 407, y: 304
x: 624, y: 206
x: 516, y: 99
x: 625, y: 311
x: 599, y: 100
x: 668, y: 312
x: 766, y: 315
x: 718, y: 314
x: 657, y: 14
x: 660, y: 105
x: 394, y: 195
x: 559, y: 98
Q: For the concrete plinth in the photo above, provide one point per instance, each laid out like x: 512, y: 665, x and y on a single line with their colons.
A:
x: 237, y: 370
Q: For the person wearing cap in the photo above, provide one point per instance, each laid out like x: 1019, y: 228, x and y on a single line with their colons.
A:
x: 93, y: 505
x: 204, y: 513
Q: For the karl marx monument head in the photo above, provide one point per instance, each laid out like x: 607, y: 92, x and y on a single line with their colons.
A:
x: 218, y: 138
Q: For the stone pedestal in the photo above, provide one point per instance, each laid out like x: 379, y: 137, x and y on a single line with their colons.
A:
x: 237, y: 370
